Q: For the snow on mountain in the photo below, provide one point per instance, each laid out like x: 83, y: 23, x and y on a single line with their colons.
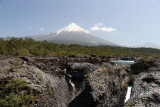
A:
x: 71, y: 28
x: 73, y: 34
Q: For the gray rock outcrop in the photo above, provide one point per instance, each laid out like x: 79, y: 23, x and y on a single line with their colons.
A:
x: 105, y: 87
x: 88, y: 81
x: 145, y: 91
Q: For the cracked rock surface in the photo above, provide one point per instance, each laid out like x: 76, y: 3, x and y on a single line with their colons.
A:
x: 146, y: 90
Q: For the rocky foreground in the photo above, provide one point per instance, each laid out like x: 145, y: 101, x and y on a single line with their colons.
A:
x: 88, y: 81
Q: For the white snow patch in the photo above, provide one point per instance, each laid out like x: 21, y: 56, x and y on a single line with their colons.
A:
x: 71, y: 28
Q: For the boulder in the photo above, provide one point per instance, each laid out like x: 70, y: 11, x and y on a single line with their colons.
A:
x: 146, y: 66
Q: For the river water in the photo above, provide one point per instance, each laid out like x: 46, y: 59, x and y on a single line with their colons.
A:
x: 128, y: 93
x: 123, y: 62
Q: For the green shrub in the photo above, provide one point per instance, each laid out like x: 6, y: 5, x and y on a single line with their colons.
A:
x: 130, y: 104
x: 15, y: 93
x: 19, y: 46
x: 16, y: 63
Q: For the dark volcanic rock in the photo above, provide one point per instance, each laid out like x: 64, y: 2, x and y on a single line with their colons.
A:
x: 105, y: 87
x: 73, y: 81
x: 146, y: 66
x: 146, y: 90
x: 155, y: 66
x: 51, y: 90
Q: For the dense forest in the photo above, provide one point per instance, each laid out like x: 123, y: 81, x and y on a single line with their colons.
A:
x: 19, y: 46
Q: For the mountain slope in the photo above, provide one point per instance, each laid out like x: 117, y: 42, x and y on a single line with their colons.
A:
x: 73, y: 34
x: 150, y: 45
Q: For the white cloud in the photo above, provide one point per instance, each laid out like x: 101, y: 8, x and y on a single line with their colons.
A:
x: 42, y: 28
x: 94, y: 28
x: 109, y: 29
x: 100, y: 27
x: 29, y: 27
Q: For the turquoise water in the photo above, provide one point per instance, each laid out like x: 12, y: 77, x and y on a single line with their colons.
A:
x: 123, y: 62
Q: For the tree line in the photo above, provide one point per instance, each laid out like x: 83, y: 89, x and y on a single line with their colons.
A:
x: 19, y: 46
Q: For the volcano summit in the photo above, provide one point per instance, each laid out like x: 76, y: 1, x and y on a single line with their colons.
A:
x: 73, y: 34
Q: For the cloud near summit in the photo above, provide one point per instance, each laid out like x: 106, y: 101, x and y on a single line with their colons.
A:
x: 100, y: 27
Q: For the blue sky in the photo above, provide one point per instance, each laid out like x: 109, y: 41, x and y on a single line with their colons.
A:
x: 130, y: 22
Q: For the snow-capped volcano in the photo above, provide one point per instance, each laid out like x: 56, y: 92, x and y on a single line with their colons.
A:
x: 72, y: 28
x: 72, y: 34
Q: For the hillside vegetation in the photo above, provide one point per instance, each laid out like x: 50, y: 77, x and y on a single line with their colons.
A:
x: 19, y: 46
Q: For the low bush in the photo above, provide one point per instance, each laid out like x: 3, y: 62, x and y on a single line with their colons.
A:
x: 15, y: 93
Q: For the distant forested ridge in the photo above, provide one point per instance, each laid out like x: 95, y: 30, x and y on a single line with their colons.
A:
x: 19, y: 46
